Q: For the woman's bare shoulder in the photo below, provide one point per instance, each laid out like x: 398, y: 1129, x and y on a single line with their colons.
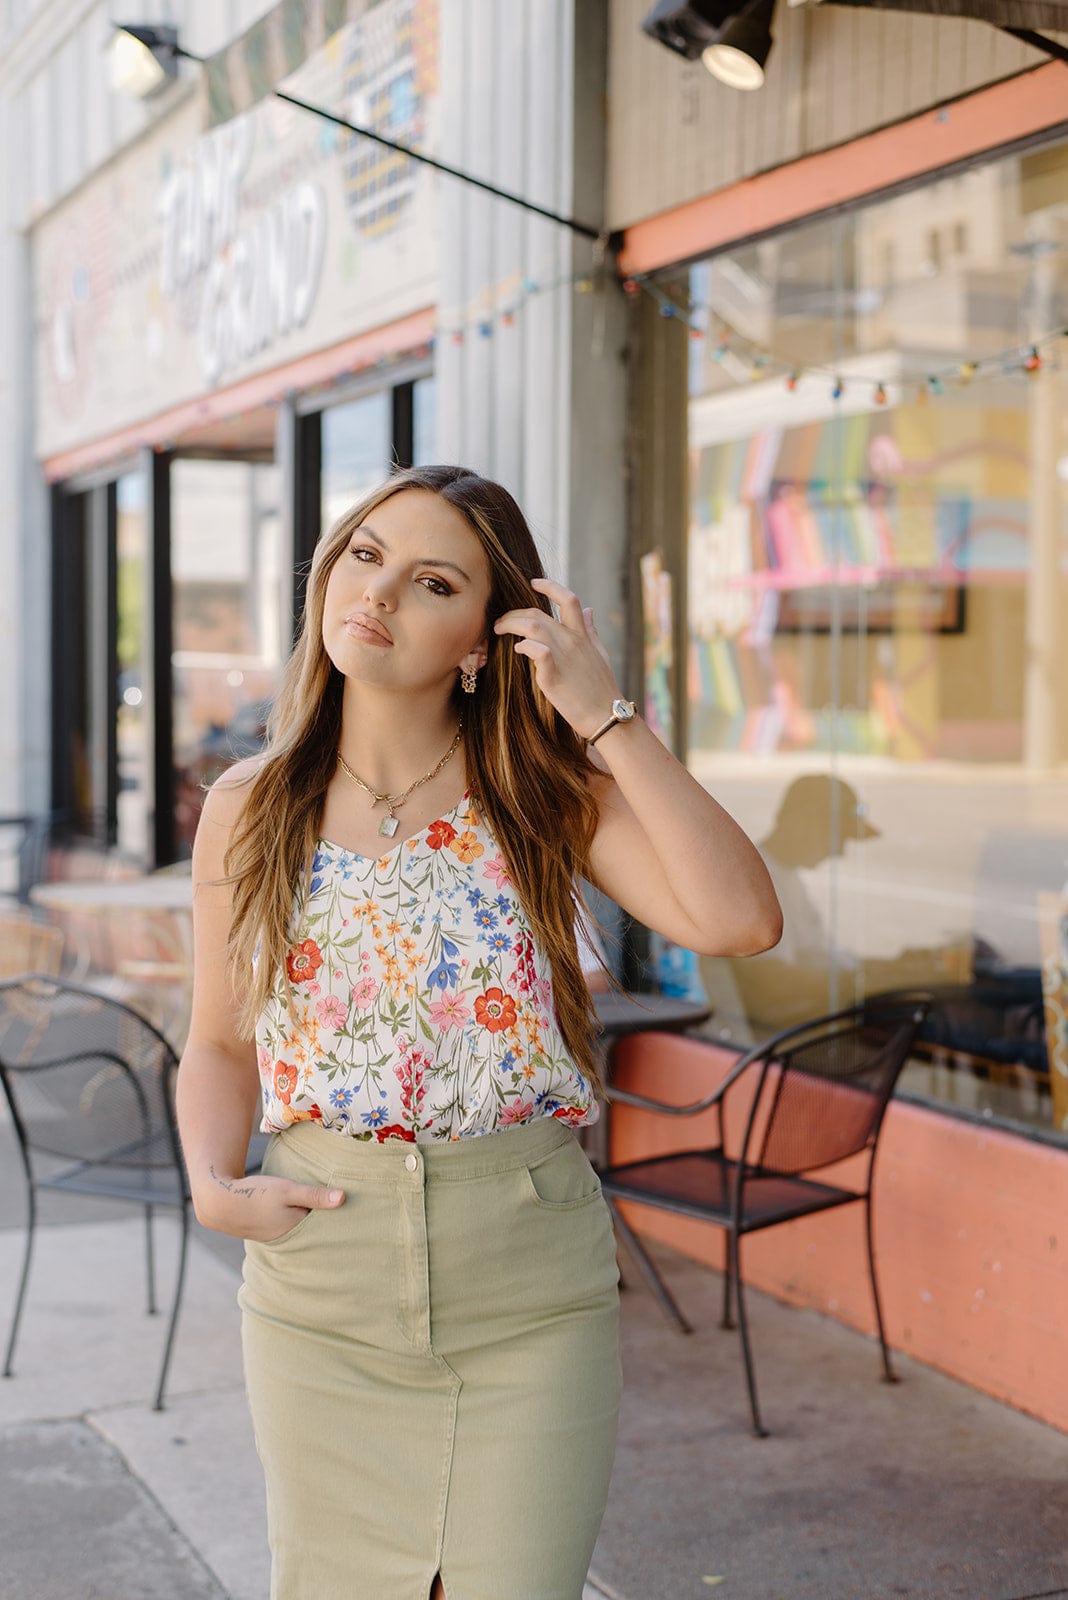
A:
x: 231, y: 788
x: 241, y: 774
x: 225, y: 800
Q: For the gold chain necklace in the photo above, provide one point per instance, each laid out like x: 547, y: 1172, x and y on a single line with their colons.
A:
x: 389, y: 824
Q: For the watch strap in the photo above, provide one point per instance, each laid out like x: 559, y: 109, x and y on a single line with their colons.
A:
x: 609, y: 723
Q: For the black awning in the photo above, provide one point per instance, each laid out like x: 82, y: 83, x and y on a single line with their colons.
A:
x: 1024, y: 15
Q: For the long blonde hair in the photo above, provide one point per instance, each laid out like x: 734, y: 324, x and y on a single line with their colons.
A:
x: 527, y: 770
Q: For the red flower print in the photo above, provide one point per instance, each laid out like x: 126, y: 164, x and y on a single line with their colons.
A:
x: 394, y: 1131
x: 440, y: 833
x: 304, y: 961
x: 571, y: 1115
x: 495, y: 1010
x: 285, y: 1081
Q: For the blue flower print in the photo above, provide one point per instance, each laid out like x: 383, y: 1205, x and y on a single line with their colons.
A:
x: 446, y: 975
x: 499, y: 942
x: 375, y: 1118
x: 507, y: 1061
x: 503, y: 904
x: 485, y: 918
x: 340, y: 1097
x: 475, y: 896
x: 320, y: 863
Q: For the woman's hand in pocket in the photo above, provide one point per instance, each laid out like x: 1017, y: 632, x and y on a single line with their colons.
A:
x: 260, y: 1207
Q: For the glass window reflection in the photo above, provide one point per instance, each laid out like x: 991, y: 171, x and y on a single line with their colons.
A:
x: 131, y: 740
x: 877, y: 679
x: 229, y: 619
x: 357, y: 449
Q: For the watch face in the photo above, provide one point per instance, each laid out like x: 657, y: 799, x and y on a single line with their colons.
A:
x: 623, y: 709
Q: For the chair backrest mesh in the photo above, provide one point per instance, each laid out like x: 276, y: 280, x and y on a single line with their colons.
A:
x: 89, y: 1079
x: 828, y: 1092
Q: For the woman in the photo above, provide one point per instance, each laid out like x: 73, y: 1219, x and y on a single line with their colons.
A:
x: 385, y: 921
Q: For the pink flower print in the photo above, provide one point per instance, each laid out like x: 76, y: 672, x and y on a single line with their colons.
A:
x: 331, y: 1011
x: 410, y: 1073
x: 364, y: 991
x: 517, y: 1111
x: 314, y: 988
x: 496, y: 869
x: 524, y: 973
x: 451, y: 1011
x: 264, y: 1062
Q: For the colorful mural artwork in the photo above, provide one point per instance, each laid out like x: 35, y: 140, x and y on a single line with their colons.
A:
x: 877, y: 524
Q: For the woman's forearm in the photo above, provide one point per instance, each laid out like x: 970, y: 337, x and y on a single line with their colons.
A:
x: 217, y: 1100
x: 712, y: 868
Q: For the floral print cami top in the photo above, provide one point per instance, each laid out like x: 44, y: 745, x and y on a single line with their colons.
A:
x: 420, y: 1007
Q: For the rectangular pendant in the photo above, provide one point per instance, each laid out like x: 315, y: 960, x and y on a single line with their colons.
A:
x: 388, y: 826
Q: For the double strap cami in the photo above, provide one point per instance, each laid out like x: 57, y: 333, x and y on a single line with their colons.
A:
x: 419, y: 1005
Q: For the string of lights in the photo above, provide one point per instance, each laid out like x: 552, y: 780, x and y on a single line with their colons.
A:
x: 703, y: 325
x: 1027, y: 358
x: 481, y: 321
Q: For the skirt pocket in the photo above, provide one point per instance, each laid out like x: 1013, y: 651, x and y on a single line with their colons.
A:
x: 564, y: 1181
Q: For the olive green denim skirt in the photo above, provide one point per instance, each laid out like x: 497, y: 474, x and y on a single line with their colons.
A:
x: 433, y: 1368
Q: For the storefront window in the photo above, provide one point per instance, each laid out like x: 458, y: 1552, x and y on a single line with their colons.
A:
x: 131, y: 743
x: 357, y: 449
x: 230, y: 620
x: 424, y: 423
x: 877, y: 580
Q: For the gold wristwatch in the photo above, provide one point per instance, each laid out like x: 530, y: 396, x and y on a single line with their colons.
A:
x: 622, y: 711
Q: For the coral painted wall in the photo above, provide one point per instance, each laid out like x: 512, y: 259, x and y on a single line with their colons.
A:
x: 971, y: 1234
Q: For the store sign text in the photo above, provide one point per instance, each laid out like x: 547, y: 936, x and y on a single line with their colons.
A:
x: 255, y: 283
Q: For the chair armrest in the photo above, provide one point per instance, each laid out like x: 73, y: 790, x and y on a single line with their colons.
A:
x: 624, y: 1097
x: 669, y: 1108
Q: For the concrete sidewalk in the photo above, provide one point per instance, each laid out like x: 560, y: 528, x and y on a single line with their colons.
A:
x: 865, y: 1491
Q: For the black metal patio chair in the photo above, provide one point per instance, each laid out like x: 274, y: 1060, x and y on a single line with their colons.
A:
x: 90, y: 1086
x: 818, y: 1095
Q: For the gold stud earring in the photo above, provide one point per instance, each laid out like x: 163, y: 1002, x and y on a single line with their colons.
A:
x: 469, y: 682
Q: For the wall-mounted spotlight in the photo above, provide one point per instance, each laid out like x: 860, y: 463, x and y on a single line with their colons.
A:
x: 731, y: 37
x: 144, y: 58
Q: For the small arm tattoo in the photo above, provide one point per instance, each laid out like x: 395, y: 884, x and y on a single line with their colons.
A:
x: 235, y: 1188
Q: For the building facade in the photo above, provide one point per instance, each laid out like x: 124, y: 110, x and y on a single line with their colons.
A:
x: 852, y: 289
x: 805, y: 454
x: 243, y: 317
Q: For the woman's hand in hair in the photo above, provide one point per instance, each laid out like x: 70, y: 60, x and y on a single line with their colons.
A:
x: 571, y: 665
